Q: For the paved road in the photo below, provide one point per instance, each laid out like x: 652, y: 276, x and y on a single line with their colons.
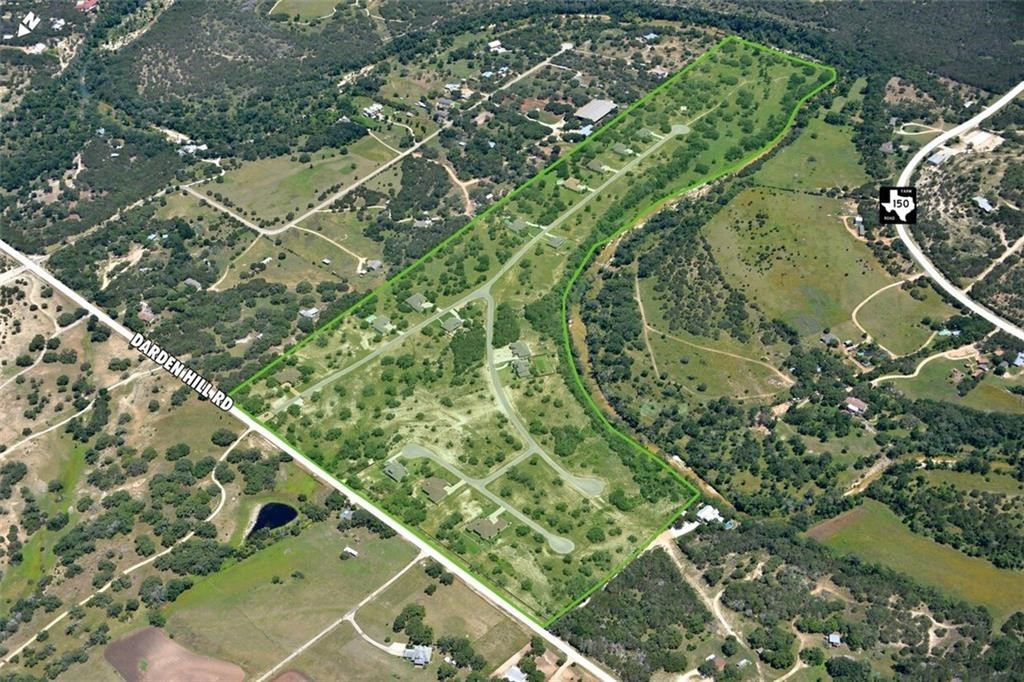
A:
x: 310, y: 466
x: 915, y: 251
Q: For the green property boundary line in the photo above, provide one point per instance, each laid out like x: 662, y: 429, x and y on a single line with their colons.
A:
x: 509, y: 598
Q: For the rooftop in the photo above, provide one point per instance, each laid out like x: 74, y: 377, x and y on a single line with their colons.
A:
x: 595, y: 109
x: 395, y: 470
x: 435, y: 488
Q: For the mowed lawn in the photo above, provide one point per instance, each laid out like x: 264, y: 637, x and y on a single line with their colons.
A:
x: 790, y: 254
x: 241, y: 616
x: 343, y: 655
x: 273, y: 188
x: 874, y: 533
x: 934, y: 383
x: 893, y: 318
x: 822, y: 156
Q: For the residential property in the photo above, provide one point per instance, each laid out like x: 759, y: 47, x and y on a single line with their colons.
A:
x: 487, y: 529
x: 855, y: 405
x: 371, y: 266
x: 451, y: 324
x: 381, y: 324
x: 515, y: 674
x: 375, y: 111
x: 574, y: 185
x: 310, y: 313
x: 193, y: 283
x: 981, y: 140
x: 395, y: 470
x: 829, y: 339
x: 938, y: 157
x: 835, y: 639
x: 1019, y: 361
x: 419, y: 303
x: 596, y: 166
x: 517, y: 225
x: 418, y: 654
x: 984, y: 204
x: 435, y: 489
x: 86, y: 5
x: 707, y: 514
x: 556, y: 241
x: 146, y: 313
x: 521, y: 368
x: 519, y: 349
x: 595, y: 110
x: 622, y: 150
x: 887, y: 147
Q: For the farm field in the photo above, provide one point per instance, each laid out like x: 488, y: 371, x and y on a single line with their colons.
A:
x: 788, y: 252
x: 874, y: 533
x: 894, y: 318
x: 822, y: 156
x: 230, y: 615
x: 992, y: 482
x: 935, y: 383
x: 276, y: 187
x: 393, y: 398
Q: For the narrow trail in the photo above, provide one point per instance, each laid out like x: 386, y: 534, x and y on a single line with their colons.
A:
x: 787, y: 380
x: 227, y: 270
x: 646, y: 326
x: 140, y: 564
x: 467, y: 203
x: 1010, y: 250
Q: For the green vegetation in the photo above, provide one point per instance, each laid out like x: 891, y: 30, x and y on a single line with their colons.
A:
x: 822, y: 156
x: 872, y: 531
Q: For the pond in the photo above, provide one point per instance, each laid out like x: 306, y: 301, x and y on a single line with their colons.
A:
x: 273, y: 515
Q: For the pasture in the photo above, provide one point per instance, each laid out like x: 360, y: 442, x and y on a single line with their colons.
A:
x: 789, y: 253
x: 894, y: 317
x: 822, y: 156
x: 874, y: 533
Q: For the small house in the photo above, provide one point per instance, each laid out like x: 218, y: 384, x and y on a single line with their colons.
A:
x: 451, y: 324
x: 515, y: 674
x: 310, y: 313
x: 435, y: 489
x: 984, y: 204
x: 596, y: 166
x: 395, y: 470
x: 555, y: 241
x: 371, y: 266
x: 418, y: 302
x: 521, y: 368
x: 487, y: 529
x: 574, y: 185
x: 417, y: 654
x: 855, y: 405
x: 517, y: 225
x: 835, y: 639
x: 381, y: 324
x: 193, y: 283
x: 519, y: 349
x: 707, y: 514
x: 829, y: 339
x: 621, y: 149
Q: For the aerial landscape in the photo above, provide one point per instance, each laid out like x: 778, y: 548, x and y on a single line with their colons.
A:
x: 666, y: 340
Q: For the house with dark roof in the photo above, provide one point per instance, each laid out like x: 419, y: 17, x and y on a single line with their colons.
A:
x: 487, y: 529
x: 519, y: 349
x: 521, y: 368
x: 381, y: 324
x: 596, y: 166
x: 435, y: 489
x: 621, y: 149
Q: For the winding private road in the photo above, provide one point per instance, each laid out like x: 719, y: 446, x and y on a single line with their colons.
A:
x: 918, y: 255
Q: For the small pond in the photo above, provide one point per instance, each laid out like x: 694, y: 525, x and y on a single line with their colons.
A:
x: 273, y: 515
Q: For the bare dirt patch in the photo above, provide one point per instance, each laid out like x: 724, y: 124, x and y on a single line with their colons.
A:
x: 150, y: 656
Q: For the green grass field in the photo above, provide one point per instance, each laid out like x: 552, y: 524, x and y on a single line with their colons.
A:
x: 239, y: 615
x: 874, y: 533
x: 934, y: 383
x: 893, y: 318
x: 789, y: 253
x: 306, y: 9
x: 991, y: 483
x: 272, y: 188
x: 822, y: 156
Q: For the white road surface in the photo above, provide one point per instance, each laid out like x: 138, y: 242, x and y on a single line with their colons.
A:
x: 915, y: 251
x: 310, y: 466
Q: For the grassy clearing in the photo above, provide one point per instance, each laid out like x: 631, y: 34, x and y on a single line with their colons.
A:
x: 790, y: 254
x: 344, y: 650
x: 990, y: 483
x: 822, y: 156
x: 935, y: 383
x: 452, y: 610
x: 273, y: 188
x: 894, y: 317
x: 233, y: 615
x: 874, y: 533
x: 346, y: 228
x: 306, y: 9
